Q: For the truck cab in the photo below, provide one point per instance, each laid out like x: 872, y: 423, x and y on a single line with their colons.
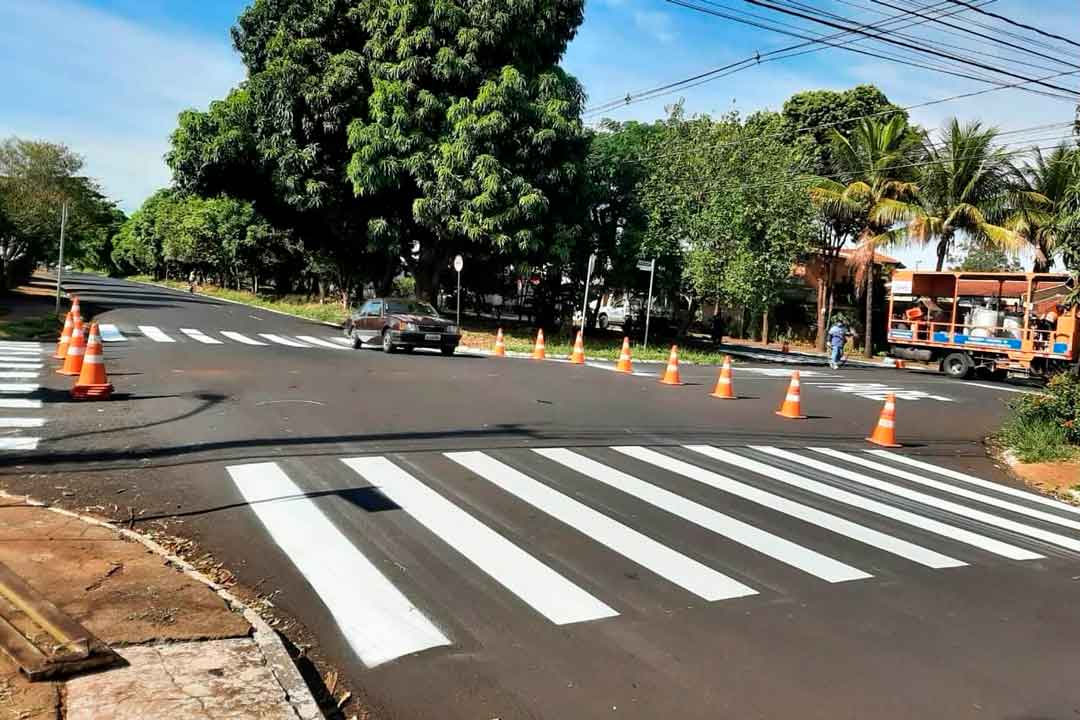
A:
x: 1009, y: 324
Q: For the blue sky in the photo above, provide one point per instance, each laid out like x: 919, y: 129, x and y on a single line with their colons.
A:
x: 108, y: 77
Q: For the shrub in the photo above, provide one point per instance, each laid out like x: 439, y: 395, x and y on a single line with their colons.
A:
x: 1046, y: 426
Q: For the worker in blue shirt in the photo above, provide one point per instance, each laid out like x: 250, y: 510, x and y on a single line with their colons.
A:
x: 837, y: 338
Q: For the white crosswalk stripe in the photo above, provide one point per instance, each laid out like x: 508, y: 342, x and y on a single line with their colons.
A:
x: 17, y: 374
x: 19, y: 388
x: 899, y: 515
x: 201, y: 336
x: 155, y: 334
x: 381, y: 623
x: 20, y: 404
x: 19, y: 443
x: 110, y: 333
x: 549, y: 593
x: 377, y: 620
x: 280, y: 340
x: 20, y: 359
x: 21, y: 365
x: 947, y: 505
x: 321, y: 343
x: 241, y: 338
x: 341, y: 341
x: 665, y: 562
x: 21, y: 422
x: 736, y: 530
x: 972, y: 480
x: 962, y: 492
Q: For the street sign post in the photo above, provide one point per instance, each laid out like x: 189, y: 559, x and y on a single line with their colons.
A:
x: 459, y: 263
x: 649, y: 265
x: 60, y: 261
x: 585, y: 303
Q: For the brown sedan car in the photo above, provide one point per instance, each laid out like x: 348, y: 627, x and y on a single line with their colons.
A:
x: 401, y: 323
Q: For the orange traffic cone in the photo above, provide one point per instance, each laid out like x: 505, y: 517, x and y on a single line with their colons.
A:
x: 792, y: 406
x: 624, y: 365
x: 73, y: 360
x: 500, y: 344
x: 725, y: 390
x: 577, y: 357
x: 671, y: 374
x: 539, y: 352
x: 885, y: 432
x: 76, y: 309
x: 65, y: 338
x: 92, y: 382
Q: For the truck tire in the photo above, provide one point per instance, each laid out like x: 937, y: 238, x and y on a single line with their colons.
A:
x: 957, y: 365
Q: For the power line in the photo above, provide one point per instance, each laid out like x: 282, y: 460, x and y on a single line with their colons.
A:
x: 891, y: 41
x: 718, y: 13
x: 1014, y: 23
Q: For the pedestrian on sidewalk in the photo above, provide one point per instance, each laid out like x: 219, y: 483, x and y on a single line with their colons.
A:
x: 838, y: 335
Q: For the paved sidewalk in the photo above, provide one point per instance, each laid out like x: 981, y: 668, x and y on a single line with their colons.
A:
x: 191, y: 651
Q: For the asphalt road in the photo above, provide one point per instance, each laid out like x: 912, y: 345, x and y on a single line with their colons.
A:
x: 517, y: 539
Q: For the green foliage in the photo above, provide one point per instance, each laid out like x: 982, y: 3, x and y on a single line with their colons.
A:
x: 36, y: 180
x: 1044, y: 201
x: 1046, y: 426
x: 982, y: 258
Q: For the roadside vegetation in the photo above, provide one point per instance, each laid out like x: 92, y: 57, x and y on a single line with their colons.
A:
x: 300, y: 305
x: 43, y: 327
x: 1046, y: 427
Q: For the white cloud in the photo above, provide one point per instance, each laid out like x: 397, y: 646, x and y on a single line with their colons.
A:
x: 108, y: 87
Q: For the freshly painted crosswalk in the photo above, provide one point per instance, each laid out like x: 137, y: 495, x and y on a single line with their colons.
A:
x: 241, y: 338
x: 21, y: 363
x: 110, y: 333
x: 155, y: 333
x: 882, y: 530
x: 200, y: 336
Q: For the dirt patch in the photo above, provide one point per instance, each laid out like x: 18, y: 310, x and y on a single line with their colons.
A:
x: 1060, y: 479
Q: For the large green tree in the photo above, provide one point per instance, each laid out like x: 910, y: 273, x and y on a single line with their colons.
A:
x: 472, y: 129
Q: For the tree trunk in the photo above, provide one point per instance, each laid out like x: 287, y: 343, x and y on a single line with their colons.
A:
x: 822, y: 294
x: 1041, y: 263
x: 869, y: 343
x: 765, y: 326
x: 942, y: 252
x: 429, y: 268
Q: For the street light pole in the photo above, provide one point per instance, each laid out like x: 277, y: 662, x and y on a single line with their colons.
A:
x: 60, y: 263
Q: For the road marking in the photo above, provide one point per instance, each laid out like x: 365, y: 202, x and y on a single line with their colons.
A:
x: 766, y: 543
x: 341, y: 341
x: 874, y: 506
x: 155, y: 334
x: 962, y: 492
x: 673, y: 566
x: 10, y: 422
x: 241, y: 338
x: 756, y: 539
x: 110, y: 333
x: 282, y: 340
x: 20, y: 365
x: 14, y: 375
x: 947, y: 505
x: 779, y: 372
x: 20, y: 353
x: 868, y: 536
x: 200, y: 336
x: 878, y: 391
x: 377, y: 620
x: 19, y: 388
x: 23, y: 359
x: 19, y: 443
x: 1004, y: 389
x: 20, y: 404
x: 972, y: 480
x: 549, y: 593
x: 321, y: 343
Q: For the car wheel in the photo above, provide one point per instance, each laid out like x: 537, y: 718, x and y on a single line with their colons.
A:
x: 357, y: 341
x: 447, y: 350
x: 602, y: 321
x: 957, y: 365
x: 387, y: 343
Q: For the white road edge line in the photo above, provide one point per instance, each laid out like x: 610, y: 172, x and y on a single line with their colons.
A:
x: 376, y: 619
x: 947, y: 505
x: 537, y: 585
x: 673, y: 566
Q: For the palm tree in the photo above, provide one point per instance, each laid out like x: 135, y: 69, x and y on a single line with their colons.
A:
x: 963, y: 188
x: 1042, y: 202
x: 874, y: 189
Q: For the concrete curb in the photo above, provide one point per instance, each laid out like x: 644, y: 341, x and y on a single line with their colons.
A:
x: 238, y: 302
x: 270, y: 645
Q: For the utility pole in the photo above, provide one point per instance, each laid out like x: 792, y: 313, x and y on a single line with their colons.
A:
x: 60, y: 262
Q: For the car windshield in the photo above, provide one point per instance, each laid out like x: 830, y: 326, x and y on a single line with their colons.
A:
x: 412, y: 307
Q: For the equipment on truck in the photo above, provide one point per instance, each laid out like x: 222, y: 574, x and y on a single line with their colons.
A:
x: 1013, y: 324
